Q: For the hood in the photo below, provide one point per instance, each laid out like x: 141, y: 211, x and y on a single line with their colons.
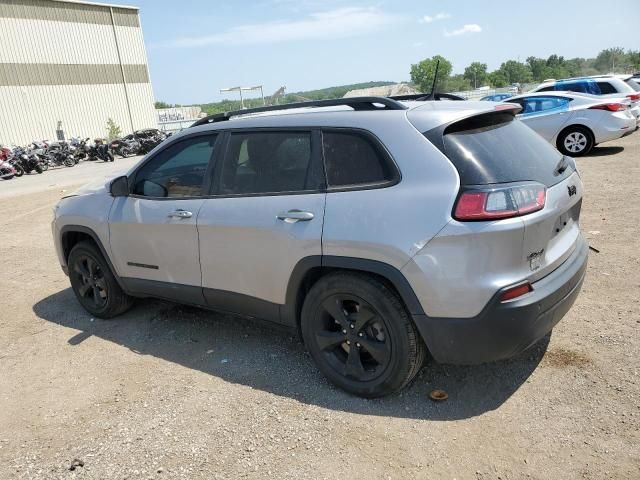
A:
x: 96, y: 187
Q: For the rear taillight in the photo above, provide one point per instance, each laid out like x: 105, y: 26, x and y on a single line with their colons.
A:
x: 634, y: 97
x: 494, y: 203
x: 515, y: 292
x: 612, y: 107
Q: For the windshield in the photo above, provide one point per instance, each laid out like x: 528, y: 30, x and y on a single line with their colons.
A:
x: 497, y: 148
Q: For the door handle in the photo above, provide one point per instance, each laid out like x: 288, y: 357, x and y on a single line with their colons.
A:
x: 293, y: 216
x: 179, y: 213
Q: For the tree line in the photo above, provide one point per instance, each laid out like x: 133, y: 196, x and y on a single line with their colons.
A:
x: 533, y: 69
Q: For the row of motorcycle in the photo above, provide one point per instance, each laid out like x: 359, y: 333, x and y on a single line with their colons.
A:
x: 38, y: 157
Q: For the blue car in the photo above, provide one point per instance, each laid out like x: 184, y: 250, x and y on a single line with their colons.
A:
x: 497, y: 97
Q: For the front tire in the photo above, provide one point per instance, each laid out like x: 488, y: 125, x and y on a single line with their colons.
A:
x: 360, y: 335
x: 94, y: 284
x: 575, y: 141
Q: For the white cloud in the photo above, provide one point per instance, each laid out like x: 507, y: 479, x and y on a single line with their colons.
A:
x: 469, y: 28
x: 339, y: 23
x: 436, y: 17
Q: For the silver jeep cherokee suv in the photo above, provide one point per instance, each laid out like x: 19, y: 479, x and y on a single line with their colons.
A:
x: 381, y: 229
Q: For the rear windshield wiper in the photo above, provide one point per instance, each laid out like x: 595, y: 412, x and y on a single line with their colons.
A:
x: 563, y: 164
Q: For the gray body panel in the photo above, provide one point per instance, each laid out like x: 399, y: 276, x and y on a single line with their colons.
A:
x: 246, y: 249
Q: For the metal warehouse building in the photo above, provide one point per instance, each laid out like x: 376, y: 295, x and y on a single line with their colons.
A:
x: 70, y: 66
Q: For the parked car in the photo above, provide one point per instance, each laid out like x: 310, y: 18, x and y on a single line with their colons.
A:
x: 378, y: 229
x: 496, y: 97
x: 575, y: 122
x: 609, y: 86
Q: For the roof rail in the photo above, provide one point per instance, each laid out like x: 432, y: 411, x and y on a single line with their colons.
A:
x: 357, y: 103
x: 426, y: 96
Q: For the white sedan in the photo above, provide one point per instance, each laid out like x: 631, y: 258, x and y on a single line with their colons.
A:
x: 575, y: 122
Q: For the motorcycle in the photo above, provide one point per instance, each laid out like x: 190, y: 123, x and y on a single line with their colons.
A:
x: 26, y: 162
x: 100, y: 150
x: 7, y: 172
x: 59, y: 154
x: 125, y: 147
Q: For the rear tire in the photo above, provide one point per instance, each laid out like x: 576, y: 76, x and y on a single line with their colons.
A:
x: 19, y: 170
x: 575, y: 141
x: 360, y: 335
x: 93, y: 283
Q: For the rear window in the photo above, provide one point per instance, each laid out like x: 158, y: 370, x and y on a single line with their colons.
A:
x: 634, y: 83
x: 497, y: 148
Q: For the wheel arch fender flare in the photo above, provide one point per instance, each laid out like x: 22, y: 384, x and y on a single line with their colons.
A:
x: 312, y: 267
x: 66, y: 248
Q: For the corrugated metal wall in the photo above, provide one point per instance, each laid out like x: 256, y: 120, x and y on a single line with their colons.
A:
x: 59, y: 61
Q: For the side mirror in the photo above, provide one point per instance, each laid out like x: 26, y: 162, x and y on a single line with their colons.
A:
x: 119, y: 187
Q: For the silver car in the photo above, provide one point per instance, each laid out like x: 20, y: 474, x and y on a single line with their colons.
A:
x: 381, y: 230
x: 575, y: 122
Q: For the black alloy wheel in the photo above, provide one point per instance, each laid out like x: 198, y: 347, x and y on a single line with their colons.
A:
x: 351, y: 335
x: 360, y: 335
x: 94, y: 284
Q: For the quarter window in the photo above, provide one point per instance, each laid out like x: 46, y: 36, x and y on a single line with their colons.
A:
x: 267, y: 162
x: 353, y: 159
x: 178, y: 170
x: 606, y: 88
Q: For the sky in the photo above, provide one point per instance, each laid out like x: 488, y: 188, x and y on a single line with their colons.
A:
x: 197, y: 47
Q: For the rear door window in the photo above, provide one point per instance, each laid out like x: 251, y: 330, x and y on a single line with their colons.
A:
x: 268, y: 163
x: 354, y: 159
x: 541, y: 104
x: 586, y: 85
x: 497, y: 148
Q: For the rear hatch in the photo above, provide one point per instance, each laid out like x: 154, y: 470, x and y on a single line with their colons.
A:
x: 509, y: 173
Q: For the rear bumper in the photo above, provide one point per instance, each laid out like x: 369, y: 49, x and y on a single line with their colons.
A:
x: 502, y: 330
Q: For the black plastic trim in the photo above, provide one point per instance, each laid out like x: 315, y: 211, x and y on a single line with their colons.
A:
x: 82, y: 229
x: 505, y: 329
x: 390, y: 273
x: 187, y: 294
x: 240, y: 304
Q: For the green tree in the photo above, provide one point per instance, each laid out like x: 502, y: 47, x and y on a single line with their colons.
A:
x: 516, y: 72
x: 497, y: 79
x: 633, y: 60
x: 422, y: 73
x: 537, y: 67
x: 457, y: 83
x: 609, y: 58
x: 162, y: 105
x: 113, y: 130
x: 476, y: 73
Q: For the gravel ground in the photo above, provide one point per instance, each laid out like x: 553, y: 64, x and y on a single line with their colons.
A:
x: 174, y: 392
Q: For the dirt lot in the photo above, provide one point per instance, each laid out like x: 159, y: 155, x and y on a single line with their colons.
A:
x: 173, y: 392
